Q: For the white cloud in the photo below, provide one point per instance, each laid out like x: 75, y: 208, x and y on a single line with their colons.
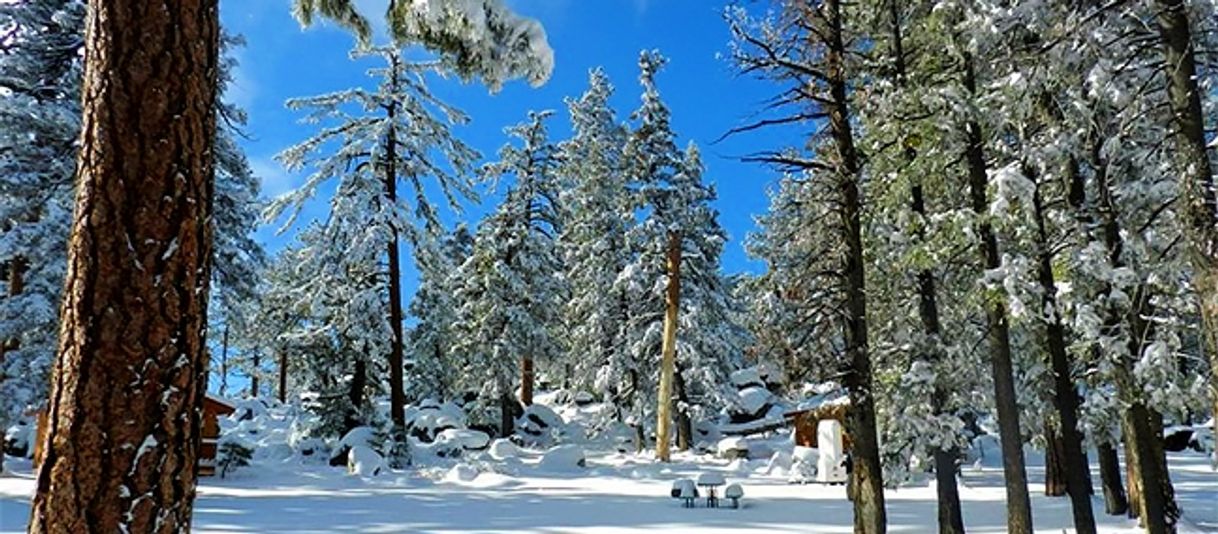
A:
x: 275, y: 179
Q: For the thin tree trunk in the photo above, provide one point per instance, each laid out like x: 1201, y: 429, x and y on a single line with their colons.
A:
x: 224, y: 362
x: 131, y: 370
x: 1019, y: 506
x: 685, y: 425
x: 355, y: 395
x: 1110, y: 479
x: 1065, y: 395
x: 283, y: 376
x: 1197, y: 179
x: 672, y: 303
x: 397, y: 394
x: 526, y: 381
x: 16, y: 285
x: 256, y: 363
x: 507, y: 423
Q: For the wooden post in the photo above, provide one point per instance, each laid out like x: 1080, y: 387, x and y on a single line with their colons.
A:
x: 672, y: 303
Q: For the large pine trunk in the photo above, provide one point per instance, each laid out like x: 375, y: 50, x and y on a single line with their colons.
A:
x: 1055, y: 462
x: 1110, y: 478
x: 1197, y: 180
x: 526, y: 380
x: 131, y: 371
x: 1074, y: 464
x: 685, y: 424
x: 672, y: 303
x: 870, y: 515
x: 1019, y: 506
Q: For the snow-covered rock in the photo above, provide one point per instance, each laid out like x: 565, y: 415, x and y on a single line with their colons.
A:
x: 539, y: 425
x: 583, y: 398
x: 754, y: 400
x: 733, y: 447
x: 429, y: 418
x: 365, y: 462
x: 462, y: 473
x: 19, y: 440
x: 470, y: 440
x: 563, y: 458
x: 747, y: 377
x: 502, y: 448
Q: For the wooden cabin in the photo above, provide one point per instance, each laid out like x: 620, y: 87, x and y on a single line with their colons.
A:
x: 213, y: 409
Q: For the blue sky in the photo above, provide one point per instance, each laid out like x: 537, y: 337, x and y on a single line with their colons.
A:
x: 707, y: 98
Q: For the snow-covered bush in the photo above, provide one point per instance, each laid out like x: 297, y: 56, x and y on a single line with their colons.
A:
x: 19, y: 440
x: 502, y: 448
x: 365, y: 462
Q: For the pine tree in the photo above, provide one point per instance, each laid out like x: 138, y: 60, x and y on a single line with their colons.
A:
x: 433, y: 368
x: 398, y: 134
x: 511, y: 285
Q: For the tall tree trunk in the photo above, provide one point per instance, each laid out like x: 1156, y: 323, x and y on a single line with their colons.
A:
x: 870, y: 515
x: 16, y: 285
x: 131, y: 371
x: 1197, y: 178
x: 1139, y: 434
x: 526, y: 380
x: 397, y: 394
x: 283, y: 376
x: 507, y: 423
x: 1110, y: 479
x: 1065, y: 395
x: 951, y: 518
x: 672, y: 303
x: 1019, y: 506
x: 224, y: 362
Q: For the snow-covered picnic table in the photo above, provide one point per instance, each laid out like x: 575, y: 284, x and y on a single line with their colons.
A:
x: 710, y: 481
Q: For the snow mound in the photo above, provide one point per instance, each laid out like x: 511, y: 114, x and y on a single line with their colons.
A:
x: 249, y: 409
x: 539, y: 425
x: 462, y: 473
x: 563, y: 458
x: 365, y: 462
x: 733, y: 447
x: 470, y: 440
x: 429, y: 418
x: 502, y: 449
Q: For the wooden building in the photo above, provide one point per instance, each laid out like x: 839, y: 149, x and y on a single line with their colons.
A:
x: 213, y: 409
x: 805, y: 421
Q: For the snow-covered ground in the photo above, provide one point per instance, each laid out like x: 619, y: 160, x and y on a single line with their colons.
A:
x: 290, y: 487
x: 614, y: 493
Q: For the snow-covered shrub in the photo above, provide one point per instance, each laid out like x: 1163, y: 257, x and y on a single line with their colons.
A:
x: 360, y: 436
x: 19, y: 440
x: 429, y: 418
x: 249, y: 409
x: 232, y: 453
x: 563, y: 458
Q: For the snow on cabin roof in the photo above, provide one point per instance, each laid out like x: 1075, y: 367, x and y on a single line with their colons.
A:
x: 823, y: 396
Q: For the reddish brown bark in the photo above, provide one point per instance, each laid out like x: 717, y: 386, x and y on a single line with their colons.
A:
x: 129, y: 379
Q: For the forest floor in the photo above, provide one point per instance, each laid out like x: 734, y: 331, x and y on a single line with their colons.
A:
x: 614, y: 493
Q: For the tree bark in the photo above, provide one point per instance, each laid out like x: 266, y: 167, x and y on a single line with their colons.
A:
x: 1065, y: 396
x: 283, y: 376
x: 1197, y: 179
x: 1019, y: 506
x: 131, y: 370
x: 507, y: 423
x: 1055, y: 462
x: 355, y: 395
x: 672, y: 303
x: 16, y: 285
x: 224, y: 362
x: 397, y: 394
x: 1110, y: 479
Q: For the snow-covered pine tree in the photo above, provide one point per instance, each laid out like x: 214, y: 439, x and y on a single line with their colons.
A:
x: 593, y: 243
x: 372, y: 142
x: 434, y: 370
x: 39, y: 127
x: 511, y: 285
x: 674, y: 204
